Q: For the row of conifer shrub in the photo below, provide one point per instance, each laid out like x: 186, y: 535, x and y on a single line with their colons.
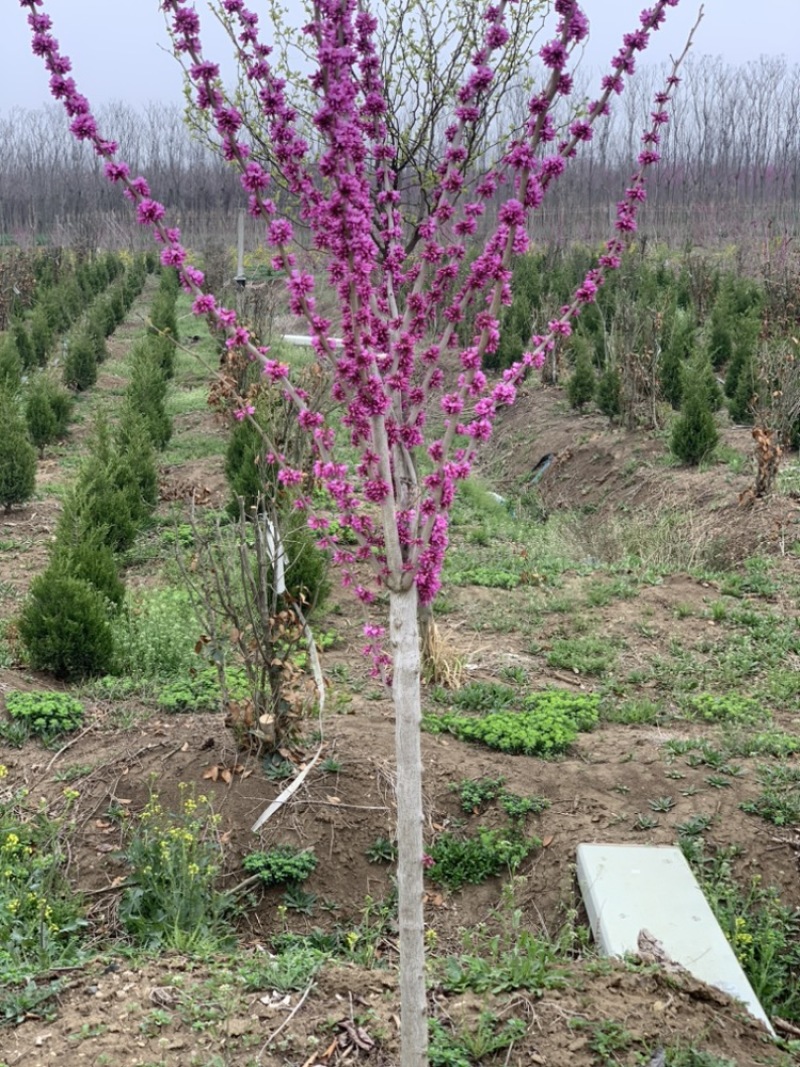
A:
x: 35, y: 409
x: 66, y: 622
x: 676, y: 331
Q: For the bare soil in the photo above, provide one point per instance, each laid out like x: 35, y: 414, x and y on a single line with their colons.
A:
x: 596, y: 793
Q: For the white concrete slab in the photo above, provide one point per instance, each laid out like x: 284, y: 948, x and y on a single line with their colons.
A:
x: 629, y: 888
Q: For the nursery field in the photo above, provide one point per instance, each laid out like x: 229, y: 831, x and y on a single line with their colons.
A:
x: 618, y: 660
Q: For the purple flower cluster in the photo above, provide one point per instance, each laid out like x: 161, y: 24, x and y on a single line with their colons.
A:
x: 390, y: 360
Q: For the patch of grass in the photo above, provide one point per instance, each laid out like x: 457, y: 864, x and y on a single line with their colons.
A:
x: 756, y: 580
x: 763, y: 932
x: 186, y: 447
x: 74, y: 772
x: 475, y: 795
x: 638, y: 711
x: 517, y: 807
x: 287, y: 972
x: 592, y: 656
x: 731, y: 708
x: 186, y: 401
x: 506, y: 957
x: 297, y: 899
x: 601, y: 593
x: 465, y: 1046
x: 487, y: 575
x: 28, y: 999
x: 477, y: 696
x: 779, y: 801
x: 678, y: 1056
x: 382, y: 850
x: 773, y: 743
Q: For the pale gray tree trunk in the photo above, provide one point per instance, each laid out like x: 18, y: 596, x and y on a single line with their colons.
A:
x: 404, y: 637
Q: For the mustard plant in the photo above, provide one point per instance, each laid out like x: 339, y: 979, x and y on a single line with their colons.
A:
x: 175, y: 858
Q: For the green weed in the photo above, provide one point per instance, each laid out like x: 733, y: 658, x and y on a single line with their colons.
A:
x: 779, y: 801
x: 763, y: 932
x: 382, y: 850
x: 287, y: 972
x: 476, y: 794
x: 280, y: 866
x: 546, y: 725
x: 41, y: 917
x: 45, y: 715
x: 464, y: 1046
x: 457, y: 861
x: 155, y: 635
x: 201, y: 691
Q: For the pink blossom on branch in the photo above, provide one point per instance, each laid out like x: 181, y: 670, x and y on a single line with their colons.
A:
x: 386, y: 367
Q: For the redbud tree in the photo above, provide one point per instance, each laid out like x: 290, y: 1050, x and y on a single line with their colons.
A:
x: 391, y: 364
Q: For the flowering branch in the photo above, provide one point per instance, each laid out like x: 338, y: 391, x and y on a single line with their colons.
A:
x: 387, y: 367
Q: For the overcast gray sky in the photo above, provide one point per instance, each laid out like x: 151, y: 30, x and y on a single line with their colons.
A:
x: 119, y: 55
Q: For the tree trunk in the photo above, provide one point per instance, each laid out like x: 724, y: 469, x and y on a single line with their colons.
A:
x: 404, y: 636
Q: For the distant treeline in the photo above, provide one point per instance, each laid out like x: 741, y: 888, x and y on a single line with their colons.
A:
x: 731, y: 160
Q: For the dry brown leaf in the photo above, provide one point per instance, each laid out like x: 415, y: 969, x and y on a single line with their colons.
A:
x: 333, y: 800
x: 226, y: 776
x: 212, y: 773
x: 547, y: 841
x: 185, y: 746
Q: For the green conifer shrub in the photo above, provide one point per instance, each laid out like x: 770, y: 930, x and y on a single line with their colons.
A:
x: 65, y: 626
x: 745, y: 348
x: 24, y: 345
x: 677, y: 352
x: 80, y: 365
x: 10, y: 364
x: 609, y: 393
x: 41, y: 335
x: 583, y: 384
x: 106, y: 496
x: 163, y: 348
x: 694, y: 435
x: 163, y: 319
x: 81, y: 552
x: 720, y: 339
x: 307, y: 567
x: 244, y: 466
x: 94, y: 330
x: 134, y: 464
x: 39, y: 415
x: 147, y: 390
x: 740, y: 406
x: 17, y: 456
x: 56, y: 313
